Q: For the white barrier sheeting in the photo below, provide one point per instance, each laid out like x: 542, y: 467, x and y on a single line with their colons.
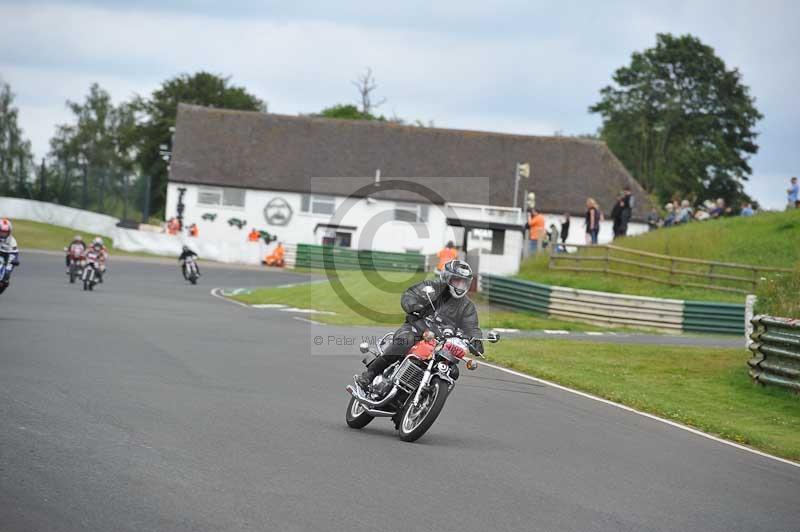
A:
x: 244, y: 252
x: 50, y: 213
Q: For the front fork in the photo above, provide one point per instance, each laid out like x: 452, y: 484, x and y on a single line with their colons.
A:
x: 426, y: 378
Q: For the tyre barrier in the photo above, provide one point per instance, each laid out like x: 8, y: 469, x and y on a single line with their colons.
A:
x: 776, y: 352
x: 615, y: 310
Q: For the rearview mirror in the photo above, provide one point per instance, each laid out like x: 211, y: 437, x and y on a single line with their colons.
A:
x: 493, y: 337
x: 363, y: 347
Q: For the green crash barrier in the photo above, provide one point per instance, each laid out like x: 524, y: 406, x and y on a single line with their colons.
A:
x: 615, y: 309
x: 312, y: 256
x: 776, y: 352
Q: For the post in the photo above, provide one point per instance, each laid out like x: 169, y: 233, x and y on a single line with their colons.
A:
x: 749, y: 304
x: 146, y: 202
x: 516, y: 184
x: 125, y: 197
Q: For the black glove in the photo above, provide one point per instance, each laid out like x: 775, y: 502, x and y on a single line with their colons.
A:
x: 15, y: 262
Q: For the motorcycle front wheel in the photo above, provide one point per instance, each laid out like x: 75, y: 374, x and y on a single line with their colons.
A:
x: 356, y: 416
x: 415, y: 421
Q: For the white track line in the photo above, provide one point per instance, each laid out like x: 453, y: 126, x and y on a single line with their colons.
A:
x: 312, y: 322
x: 645, y: 414
x: 216, y: 293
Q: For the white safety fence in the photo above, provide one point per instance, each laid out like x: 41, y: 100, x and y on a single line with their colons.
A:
x: 244, y: 252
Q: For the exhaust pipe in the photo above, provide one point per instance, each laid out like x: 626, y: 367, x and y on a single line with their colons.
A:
x: 358, y: 394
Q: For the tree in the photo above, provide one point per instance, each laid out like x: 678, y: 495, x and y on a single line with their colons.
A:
x: 680, y: 121
x: 158, y: 118
x: 93, y: 154
x: 365, y: 84
x: 347, y: 112
x: 16, y: 161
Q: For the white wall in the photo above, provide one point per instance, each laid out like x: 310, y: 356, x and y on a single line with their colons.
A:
x: 376, y: 228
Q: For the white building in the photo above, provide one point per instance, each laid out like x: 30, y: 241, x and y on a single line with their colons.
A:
x: 373, y: 185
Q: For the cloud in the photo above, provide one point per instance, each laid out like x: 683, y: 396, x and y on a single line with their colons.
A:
x: 522, y: 67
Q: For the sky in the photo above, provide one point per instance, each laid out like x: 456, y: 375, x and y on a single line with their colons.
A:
x: 517, y: 66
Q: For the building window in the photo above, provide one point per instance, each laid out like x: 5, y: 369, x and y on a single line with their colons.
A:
x: 490, y: 241
x: 225, y: 197
x: 316, y: 204
x: 411, y: 213
x: 209, y: 196
x: 233, y: 197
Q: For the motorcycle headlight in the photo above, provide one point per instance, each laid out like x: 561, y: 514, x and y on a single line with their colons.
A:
x: 443, y: 367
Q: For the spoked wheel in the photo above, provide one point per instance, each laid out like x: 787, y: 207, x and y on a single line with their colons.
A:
x: 415, y: 421
x: 357, y: 416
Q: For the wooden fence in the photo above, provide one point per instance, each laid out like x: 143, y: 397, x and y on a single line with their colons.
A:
x: 664, y: 269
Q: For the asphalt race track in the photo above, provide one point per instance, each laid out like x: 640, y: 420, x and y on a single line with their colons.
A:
x: 150, y: 405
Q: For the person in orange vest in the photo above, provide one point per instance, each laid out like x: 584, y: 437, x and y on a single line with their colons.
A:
x: 537, y: 232
x: 276, y: 257
x: 254, y: 235
x: 194, y: 230
x: 173, y: 226
x: 448, y: 253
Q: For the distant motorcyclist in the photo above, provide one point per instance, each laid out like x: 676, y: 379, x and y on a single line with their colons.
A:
x: 99, y: 252
x: 9, y: 252
x: 76, y: 248
x: 452, y: 305
x: 187, y: 253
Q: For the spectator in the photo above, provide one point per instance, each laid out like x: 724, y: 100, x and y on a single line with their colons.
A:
x: 448, y: 253
x: 793, y: 194
x: 565, y: 229
x: 537, y: 232
x: 747, y: 209
x: 552, y: 238
x: 276, y: 258
x: 254, y: 235
x: 718, y: 209
x: 685, y: 214
x: 173, y: 226
x: 627, y: 209
x: 194, y: 231
x: 669, y: 220
x: 616, y: 215
x: 654, y: 220
x: 592, y: 221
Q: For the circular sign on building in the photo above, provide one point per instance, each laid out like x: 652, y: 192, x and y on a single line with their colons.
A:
x: 278, y: 212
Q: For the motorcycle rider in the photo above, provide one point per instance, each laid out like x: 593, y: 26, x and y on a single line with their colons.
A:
x: 102, y: 255
x: 8, y: 250
x: 77, y: 248
x: 449, y: 298
x: 185, y: 254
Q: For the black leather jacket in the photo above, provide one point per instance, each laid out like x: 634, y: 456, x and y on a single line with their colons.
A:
x: 461, y: 312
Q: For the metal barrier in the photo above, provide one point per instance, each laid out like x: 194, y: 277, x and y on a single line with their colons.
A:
x: 776, y: 352
x: 313, y: 256
x: 620, y: 310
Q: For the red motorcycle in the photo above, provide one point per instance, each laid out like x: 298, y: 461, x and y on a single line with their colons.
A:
x: 413, y: 391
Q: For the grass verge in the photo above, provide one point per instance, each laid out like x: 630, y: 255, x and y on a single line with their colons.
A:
x: 36, y: 235
x: 381, y: 293
x: 703, y: 387
x: 765, y: 239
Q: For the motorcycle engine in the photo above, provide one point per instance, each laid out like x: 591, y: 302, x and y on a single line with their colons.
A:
x: 381, y: 386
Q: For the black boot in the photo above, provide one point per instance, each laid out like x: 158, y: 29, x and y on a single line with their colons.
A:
x: 374, y: 369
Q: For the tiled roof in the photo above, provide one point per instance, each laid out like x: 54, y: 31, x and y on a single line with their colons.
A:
x: 289, y: 153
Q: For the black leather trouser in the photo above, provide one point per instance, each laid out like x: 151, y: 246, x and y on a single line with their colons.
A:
x: 404, y: 339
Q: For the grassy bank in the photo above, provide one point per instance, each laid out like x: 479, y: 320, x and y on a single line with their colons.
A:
x: 380, y: 295
x: 36, y: 235
x: 707, y: 388
x: 768, y: 239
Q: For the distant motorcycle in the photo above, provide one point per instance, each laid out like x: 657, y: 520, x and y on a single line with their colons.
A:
x: 91, y: 268
x: 75, y: 265
x: 190, y: 271
x: 413, y: 391
x: 3, y: 284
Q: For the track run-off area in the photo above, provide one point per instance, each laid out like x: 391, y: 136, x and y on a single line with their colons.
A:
x: 148, y: 404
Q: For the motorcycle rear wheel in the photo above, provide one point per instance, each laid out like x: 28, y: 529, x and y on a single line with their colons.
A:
x: 414, y: 422
x: 356, y: 416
